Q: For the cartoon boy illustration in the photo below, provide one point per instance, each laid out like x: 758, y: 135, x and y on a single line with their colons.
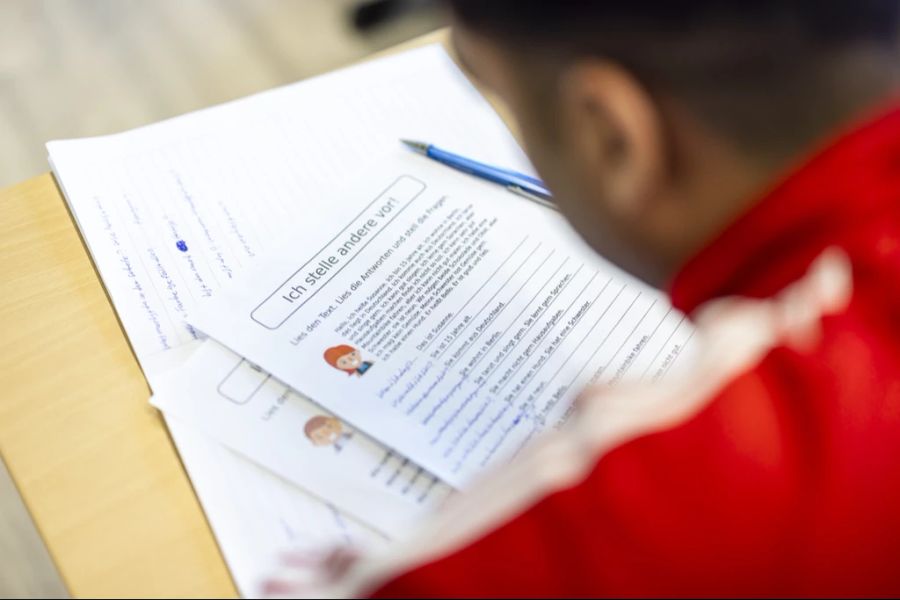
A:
x: 348, y: 359
x: 326, y: 431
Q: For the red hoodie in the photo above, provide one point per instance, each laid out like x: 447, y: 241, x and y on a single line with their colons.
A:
x: 775, y: 474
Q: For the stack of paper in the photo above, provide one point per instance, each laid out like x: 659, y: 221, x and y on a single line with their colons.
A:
x: 384, y: 330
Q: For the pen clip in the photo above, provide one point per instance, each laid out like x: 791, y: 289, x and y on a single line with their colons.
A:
x: 519, y: 191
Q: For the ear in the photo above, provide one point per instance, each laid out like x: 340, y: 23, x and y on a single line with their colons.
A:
x: 614, y: 128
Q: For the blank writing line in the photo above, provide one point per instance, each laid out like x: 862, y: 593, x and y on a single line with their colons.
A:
x: 597, y: 322
x: 471, y: 369
x: 609, y: 334
x: 665, y: 344
x: 563, y: 316
x: 669, y: 366
x: 628, y: 337
x: 524, y: 308
x: 502, y: 310
x: 478, y: 291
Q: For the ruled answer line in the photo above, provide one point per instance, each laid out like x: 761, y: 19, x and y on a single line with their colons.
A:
x: 611, y: 331
x: 628, y: 337
x: 585, y: 337
x: 562, y: 320
x: 523, y: 412
x: 471, y: 343
x: 484, y: 376
x: 478, y: 291
x: 471, y: 368
x: 677, y: 356
x: 524, y: 308
x: 650, y: 336
x: 665, y: 345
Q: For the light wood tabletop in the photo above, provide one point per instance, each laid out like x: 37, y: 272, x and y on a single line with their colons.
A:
x: 91, y: 458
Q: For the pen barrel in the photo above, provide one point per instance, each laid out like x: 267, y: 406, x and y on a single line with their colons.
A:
x: 503, y: 177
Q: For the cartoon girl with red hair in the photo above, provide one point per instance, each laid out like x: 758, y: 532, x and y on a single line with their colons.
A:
x: 348, y: 359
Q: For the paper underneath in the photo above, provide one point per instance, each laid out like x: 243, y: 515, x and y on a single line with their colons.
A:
x: 233, y: 401
x: 256, y: 516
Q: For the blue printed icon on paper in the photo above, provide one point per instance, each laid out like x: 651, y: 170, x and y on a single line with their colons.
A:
x: 181, y: 245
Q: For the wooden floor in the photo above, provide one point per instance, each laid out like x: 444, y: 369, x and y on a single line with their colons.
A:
x: 71, y: 68
x: 26, y: 570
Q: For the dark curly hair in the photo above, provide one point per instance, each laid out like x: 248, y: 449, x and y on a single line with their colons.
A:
x: 771, y: 73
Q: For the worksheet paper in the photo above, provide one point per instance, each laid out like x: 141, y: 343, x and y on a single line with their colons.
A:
x: 443, y: 319
x: 243, y: 407
x: 172, y: 211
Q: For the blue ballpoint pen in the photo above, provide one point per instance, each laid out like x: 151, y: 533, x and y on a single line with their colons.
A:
x: 518, y: 183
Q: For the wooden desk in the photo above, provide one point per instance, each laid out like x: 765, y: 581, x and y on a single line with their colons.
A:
x: 92, y: 460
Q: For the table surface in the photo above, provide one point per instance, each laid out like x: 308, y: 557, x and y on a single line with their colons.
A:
x: 91, y: 458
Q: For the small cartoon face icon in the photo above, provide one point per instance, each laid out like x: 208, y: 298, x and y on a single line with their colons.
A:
x: 347, y: 359
x: 323, y: 431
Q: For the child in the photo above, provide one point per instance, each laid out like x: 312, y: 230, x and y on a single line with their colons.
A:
x: 745, y: 155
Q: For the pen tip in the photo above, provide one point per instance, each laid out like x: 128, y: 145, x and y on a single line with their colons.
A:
x: 420, y: 147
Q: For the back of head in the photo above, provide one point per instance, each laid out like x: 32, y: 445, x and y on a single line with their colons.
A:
x: 656, y: 122
x: 767, y: 72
